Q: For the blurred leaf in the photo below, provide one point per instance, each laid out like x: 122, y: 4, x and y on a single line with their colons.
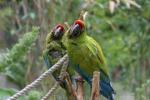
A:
x: 5, y: 93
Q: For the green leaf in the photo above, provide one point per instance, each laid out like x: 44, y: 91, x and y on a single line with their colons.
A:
x: 5, y: 93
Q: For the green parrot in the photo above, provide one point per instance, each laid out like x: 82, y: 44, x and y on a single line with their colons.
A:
x: 54, y: 50
x: 86, y: 56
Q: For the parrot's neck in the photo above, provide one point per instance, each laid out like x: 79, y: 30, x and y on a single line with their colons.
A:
x: 80, y: 39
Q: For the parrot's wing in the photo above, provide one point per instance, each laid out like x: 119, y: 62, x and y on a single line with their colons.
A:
x: 48, y: 38
x: 64, y: 39
x: 96, y: 49
x: 105, y: 84
x: 54, y: 45
x: 46, y: 59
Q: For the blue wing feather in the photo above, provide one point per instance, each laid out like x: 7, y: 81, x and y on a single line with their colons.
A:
x: 105, y: 85
x: 47, y: 60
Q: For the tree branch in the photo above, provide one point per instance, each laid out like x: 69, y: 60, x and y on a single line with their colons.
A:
x: 79, y: 89
x: 95, y: 95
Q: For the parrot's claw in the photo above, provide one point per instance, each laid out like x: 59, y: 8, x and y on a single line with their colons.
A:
x: 65, y: 74
x: 79, y: 78
x: 60, y: 81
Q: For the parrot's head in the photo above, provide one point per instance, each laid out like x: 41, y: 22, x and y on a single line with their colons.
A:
x: 58, y: 32
x: 77, y: 29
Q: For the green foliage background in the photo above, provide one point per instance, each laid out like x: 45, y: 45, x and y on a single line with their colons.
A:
x: 124, y: 36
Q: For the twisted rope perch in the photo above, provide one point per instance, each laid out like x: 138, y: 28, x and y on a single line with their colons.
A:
x: 61, y: 76
x: 50, y: 91
x: 39, y: 79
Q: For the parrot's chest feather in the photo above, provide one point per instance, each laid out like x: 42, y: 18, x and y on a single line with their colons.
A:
x: 83, y: 56
x: 55, y: 54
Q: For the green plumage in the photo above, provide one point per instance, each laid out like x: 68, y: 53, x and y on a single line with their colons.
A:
x: 54, y: 50
x: 86, y: 52
x: 86, y: 56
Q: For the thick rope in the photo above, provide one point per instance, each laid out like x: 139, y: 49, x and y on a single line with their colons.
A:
x: 38, y: 80
x: 61, y: 76
x: 51, y: 91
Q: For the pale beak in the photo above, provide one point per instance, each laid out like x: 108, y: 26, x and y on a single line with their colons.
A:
x: 57, y: 32
x: 75, y: 30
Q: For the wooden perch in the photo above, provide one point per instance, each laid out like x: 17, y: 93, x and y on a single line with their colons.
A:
x: 95, y: 94
x: 79, y: 88
x: 83, y: 15
x: 67, y: 25
x: 71, y: 92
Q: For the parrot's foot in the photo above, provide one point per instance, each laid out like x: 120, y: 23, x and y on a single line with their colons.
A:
x: 79, y: 79
x: 65, y: 74
x: 60, y: 81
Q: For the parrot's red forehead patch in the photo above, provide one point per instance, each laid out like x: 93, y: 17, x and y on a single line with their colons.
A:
x: 61, y: 26
x: 80, y: 23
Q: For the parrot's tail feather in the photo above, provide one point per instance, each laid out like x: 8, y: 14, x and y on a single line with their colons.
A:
x: 107, y: 90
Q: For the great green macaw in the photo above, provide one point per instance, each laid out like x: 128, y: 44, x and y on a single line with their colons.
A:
x: 86, y: 56
x: 53, y: 51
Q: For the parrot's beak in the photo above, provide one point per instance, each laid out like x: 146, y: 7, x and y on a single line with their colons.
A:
x: 57, y: 32
x: 75, y: 31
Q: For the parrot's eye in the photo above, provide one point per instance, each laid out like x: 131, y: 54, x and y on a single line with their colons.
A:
x: 58, y: 32
x: 76, y: 29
